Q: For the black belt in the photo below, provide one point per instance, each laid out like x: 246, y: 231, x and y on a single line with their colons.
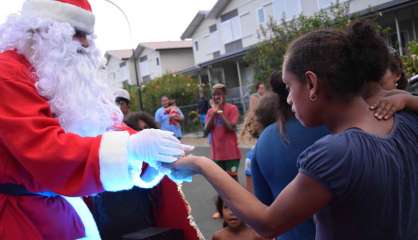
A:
x: 19, y: 190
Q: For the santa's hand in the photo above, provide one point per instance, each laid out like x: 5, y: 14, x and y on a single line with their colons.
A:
x: 150, y: 178
x: 153, y: 146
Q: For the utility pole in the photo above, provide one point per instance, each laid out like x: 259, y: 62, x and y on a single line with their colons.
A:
x: 138, y: 84
x: 141, y: 107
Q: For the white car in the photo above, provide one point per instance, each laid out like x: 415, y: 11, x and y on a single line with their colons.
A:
x: 413, y: 79
x: 413, y: 85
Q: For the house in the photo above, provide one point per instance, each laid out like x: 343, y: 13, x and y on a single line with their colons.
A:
x: 119, y: 68
x: 224, y: 34
x: 401, y: 16
x: 155, y: 59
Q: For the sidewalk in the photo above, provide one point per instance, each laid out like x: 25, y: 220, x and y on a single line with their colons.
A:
x: 197, y: 140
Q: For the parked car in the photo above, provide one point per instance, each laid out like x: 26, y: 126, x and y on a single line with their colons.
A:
x: 413, y: 85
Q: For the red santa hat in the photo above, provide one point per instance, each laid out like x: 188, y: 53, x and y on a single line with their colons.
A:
x: 78, y: 13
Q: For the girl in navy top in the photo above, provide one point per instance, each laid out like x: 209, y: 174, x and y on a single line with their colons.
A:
x: 276, y: 152
x: 360, y: 182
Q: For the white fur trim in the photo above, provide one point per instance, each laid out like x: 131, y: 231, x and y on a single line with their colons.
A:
x: 79, y: 18
x: 189, y: 213
x: 90, y: 228
x: 114, y: 165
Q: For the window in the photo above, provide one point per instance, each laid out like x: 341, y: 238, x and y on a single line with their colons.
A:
x: 233, y: 46
x: 143, y: 58
x: 261, y: 16
x: 196, y: 46
x: 286, y: 8
x: 231, y: 30
x: 122, y: 64
x: 327, y: 3
x: 213, y: 28
x: 231, y: 27
x: 229, y: 15
x: 146, y: 78
x: 157, y: 61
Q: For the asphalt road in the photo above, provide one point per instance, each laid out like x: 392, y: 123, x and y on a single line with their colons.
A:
x: 202, y: 196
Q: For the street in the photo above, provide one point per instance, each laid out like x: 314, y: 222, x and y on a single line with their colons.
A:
x: 202, y: 197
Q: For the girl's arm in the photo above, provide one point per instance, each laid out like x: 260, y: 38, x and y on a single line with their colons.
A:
x: 302, y: 198
x: 391, y: 104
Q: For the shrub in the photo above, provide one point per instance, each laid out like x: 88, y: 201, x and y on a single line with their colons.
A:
x: 410, y: 60
x: 183, y: 89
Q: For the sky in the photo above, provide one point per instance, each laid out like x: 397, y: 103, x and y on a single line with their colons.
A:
x: 151, y: 20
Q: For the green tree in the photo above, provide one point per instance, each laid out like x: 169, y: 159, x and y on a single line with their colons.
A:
x: 268, y: 55
x: 410, y: 60
x: 133, y: 92
x: 183, y: 89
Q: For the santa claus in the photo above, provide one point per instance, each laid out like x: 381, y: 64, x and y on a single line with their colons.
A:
x: 61, y: 133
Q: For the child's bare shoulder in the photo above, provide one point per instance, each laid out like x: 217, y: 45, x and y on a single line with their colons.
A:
x: 219, y: 235
x: 251, y: 234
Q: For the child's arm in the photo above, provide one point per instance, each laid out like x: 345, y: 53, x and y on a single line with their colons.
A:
x: 389, y: 105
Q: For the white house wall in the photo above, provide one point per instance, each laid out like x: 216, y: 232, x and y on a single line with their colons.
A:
x: 132, y: 72
x: 115, y: 75
x: 250, y: 27
x: 176, y: 60
x: 202, y: 36
x: 248, y: 18
x: 154, y: 70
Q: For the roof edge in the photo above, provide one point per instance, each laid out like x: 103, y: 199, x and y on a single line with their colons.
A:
x: 194, y: 24
x: 220, y: 5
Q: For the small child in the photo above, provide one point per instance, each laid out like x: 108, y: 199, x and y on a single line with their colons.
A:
x: 233, y: 228
x: 140, y: 121
x: 173, y: 113
x: 264, y: 114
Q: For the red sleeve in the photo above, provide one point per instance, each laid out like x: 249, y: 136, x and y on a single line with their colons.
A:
x: 63, y: 163
x: 233, y: 114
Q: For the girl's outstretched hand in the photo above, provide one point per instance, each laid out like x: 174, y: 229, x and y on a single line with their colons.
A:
x: 184, y: 168
x: 189, y: 163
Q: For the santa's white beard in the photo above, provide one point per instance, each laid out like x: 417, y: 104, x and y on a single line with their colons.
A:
x: 67, y: 74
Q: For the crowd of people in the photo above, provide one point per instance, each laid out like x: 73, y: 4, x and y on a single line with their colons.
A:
x: 341, y: 148
x: 288, y: 148
x: 335, y: 155
x: 62, y: 137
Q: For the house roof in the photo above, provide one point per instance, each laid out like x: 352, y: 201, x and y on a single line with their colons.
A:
x: 389, y: 6
x: 166, y: 45
x: 197, y: 20
x: 227, y: 57
x: 220, y: 5
x: 121, y: 54
x: 202, y: 15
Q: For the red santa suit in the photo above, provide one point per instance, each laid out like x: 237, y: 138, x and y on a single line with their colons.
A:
x: 37, y: 154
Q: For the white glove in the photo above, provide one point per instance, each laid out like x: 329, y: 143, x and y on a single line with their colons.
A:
x: 154, y: 147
